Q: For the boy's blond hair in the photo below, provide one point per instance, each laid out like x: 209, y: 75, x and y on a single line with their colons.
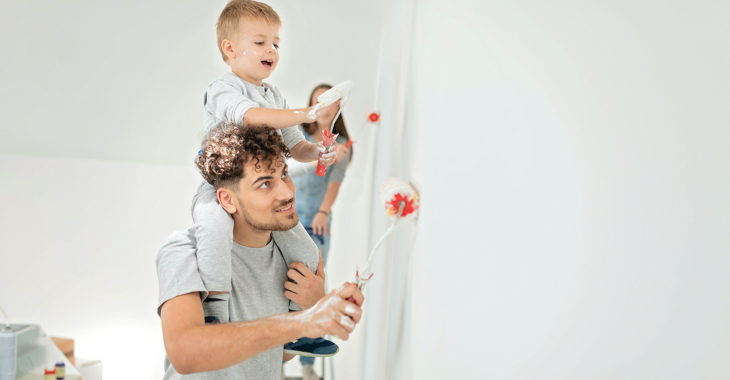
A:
x: 231, y: 19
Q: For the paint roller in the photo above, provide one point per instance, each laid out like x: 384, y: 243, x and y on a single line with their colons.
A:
x: 341, y: 91
x: 399, y: 200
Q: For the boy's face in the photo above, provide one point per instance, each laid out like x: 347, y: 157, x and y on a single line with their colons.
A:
x: 254, y: 53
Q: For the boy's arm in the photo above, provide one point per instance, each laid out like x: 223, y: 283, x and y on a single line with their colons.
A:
x: 192, y: 346
x: 305, y: 151
x: 279, y: 119
x: 274, y: 118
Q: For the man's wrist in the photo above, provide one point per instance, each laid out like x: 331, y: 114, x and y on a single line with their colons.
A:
x: 299, y: 325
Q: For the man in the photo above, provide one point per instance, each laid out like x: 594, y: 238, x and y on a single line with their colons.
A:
x: 247, y: 166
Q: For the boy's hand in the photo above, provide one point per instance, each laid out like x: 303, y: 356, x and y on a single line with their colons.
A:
x: 315, y: 112
x: 330, y: 157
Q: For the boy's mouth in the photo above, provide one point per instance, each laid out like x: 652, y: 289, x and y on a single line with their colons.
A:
x: 267, y: 63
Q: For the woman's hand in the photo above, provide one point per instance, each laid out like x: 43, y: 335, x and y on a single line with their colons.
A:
x: 341, y: 153
x: 319, y: 224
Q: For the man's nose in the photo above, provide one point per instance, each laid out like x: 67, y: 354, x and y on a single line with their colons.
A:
x: 284, y: 193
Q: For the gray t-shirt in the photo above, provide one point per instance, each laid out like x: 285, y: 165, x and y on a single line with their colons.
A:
x: 229, y: 97
x: 257, y: 291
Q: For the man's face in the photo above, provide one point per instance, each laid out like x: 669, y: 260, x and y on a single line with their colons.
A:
x: 266, y: 197
x: 257, y: 51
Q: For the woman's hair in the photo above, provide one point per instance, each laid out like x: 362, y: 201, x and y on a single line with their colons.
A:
x: 339, y: 124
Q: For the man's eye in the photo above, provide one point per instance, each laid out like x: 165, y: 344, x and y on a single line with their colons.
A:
x: 284, y: 175
x: 264, y: 185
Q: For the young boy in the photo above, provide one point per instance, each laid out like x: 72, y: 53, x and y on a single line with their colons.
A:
x: 248, y: 39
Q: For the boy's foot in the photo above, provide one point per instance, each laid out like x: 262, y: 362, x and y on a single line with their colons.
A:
x: 308, y: 373
x: 317, y: 348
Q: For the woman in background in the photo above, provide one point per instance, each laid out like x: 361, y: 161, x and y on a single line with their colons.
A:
x: 316, y: 195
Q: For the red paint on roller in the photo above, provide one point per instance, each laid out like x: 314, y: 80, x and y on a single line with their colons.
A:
x: 374, y: 117
x: 327, y: 139
x: 394, y: 205
x: 349, y: 143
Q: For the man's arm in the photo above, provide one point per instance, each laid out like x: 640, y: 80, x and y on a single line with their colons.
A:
x: 192, y: 346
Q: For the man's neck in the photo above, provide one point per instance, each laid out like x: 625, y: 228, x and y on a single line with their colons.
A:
x: 248, y: 236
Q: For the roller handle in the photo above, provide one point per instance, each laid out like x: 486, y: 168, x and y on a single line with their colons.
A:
x: 327, y: 139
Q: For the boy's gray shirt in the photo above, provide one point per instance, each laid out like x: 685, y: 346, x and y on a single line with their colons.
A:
x: 257, y: 291
x: 229, y: 97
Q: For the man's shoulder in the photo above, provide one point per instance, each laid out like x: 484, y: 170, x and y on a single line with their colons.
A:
x: 177, y: 267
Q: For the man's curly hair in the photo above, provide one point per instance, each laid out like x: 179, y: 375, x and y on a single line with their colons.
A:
x: 228, y: 148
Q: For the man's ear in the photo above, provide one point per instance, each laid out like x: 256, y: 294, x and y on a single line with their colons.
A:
x: 227, y: 47
x: 226, y: 199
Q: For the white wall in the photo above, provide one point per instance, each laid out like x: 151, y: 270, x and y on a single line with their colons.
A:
x: 575, y: 207
x: 100, y: 118
x: 124, y: 80
x: 79, y: 244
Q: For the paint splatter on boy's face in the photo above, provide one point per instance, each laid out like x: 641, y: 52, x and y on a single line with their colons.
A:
x: 256, y: 51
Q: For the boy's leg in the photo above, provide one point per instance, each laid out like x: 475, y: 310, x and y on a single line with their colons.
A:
x: 324, y: 248
x: 214, y: 235
x: 296, y: 246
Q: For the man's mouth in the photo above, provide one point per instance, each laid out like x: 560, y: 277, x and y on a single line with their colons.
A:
x: 286, y: 209
x: 267, y: 63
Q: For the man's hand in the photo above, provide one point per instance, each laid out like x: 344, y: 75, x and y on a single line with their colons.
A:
x: 309, y: 287
x: 333, y: 315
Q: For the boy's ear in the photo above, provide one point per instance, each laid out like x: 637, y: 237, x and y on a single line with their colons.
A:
x: 226, y: 199
x: 227, y: 48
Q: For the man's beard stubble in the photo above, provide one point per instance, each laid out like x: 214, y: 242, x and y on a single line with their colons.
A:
x: 274, y: 225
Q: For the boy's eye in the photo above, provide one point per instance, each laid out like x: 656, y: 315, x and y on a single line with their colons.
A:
x: 276, y: 46
x: 260, y: 43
